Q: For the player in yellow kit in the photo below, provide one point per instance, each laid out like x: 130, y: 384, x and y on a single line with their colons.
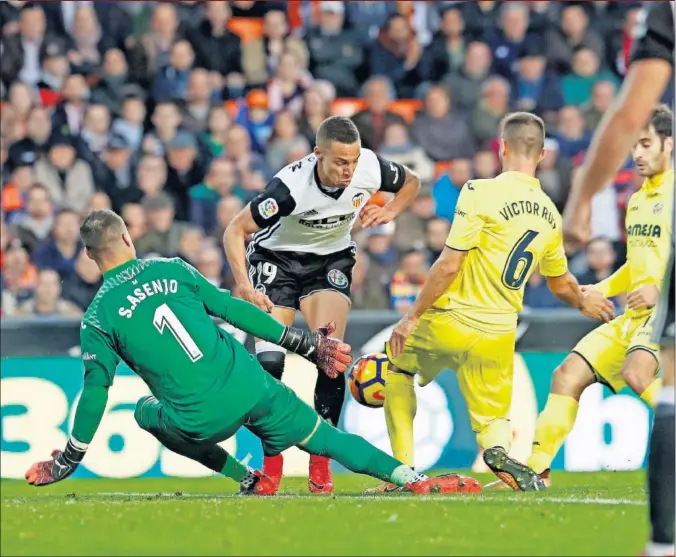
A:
x: 621, y: 352
x: 465, y: 316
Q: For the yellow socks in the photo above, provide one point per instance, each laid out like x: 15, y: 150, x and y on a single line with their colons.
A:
x: 552, y: 428
x: 650, y: 394
x: 400, y: 408
x: 498, y: 433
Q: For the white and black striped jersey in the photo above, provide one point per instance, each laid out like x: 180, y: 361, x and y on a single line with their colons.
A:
x: 296, y: 213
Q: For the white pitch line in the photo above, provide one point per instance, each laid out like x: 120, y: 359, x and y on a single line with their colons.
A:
x: 459, y: 498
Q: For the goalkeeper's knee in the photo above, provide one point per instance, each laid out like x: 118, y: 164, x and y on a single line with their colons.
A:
x: 271, y: 357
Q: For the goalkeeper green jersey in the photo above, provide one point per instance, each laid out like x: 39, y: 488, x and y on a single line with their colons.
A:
x: 154, y: 315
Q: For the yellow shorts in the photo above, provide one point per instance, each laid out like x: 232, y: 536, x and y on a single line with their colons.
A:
x: 606, y: 347
x: 484, y: 363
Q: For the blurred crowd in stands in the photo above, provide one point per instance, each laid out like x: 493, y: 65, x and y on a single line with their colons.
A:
x: 177, y: 114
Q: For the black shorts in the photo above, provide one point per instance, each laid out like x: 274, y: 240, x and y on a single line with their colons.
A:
x: 287, y: 277
x: 663, y: 331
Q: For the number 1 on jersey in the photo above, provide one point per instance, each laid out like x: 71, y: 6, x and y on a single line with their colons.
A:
x: 164, y: 317
x: 519, y: 262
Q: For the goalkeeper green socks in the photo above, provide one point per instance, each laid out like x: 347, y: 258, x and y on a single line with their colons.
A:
x: 233, y: 468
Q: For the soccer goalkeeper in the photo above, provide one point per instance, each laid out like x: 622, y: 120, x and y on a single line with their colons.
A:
x: 155, y: 315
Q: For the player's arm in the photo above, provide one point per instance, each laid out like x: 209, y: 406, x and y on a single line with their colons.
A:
x: 648, y: 77
x: 266, y: 209
x: 399, y: 180
x: 615, y: 284
x: 100, y: 361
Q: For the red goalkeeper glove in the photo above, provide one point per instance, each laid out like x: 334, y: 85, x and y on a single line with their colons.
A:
x: 62, y: 465
x: 330, y: 355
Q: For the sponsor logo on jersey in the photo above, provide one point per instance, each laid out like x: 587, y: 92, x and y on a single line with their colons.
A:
x: 357, y: 200
x: 657, y: 209
x: 268, y: 208
x: 87, y: 357
x: 337, y: 278
x: 328, y: 223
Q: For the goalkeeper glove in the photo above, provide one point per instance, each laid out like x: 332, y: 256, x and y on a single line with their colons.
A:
x: 330, y: 355
x: 62, y: 465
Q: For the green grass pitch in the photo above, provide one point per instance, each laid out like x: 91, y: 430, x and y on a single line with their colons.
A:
x: 583, y: 514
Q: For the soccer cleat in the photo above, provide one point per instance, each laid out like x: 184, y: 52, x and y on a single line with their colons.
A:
x: 444, y: 484
x: 499, y: 484
x: 384, y: 488
x: 320, y: 480
x: 516, y: 475
x: 273, y: 467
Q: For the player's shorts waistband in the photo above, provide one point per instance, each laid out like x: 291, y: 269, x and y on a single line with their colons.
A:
x: 302, y: 256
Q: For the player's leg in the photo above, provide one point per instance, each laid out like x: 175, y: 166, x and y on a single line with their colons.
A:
x: 325, y: 298
x: 640, y: 373
x: 598, y: 355
x: 149, y: 417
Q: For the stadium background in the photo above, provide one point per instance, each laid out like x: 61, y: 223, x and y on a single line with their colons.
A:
x: 176, y: 114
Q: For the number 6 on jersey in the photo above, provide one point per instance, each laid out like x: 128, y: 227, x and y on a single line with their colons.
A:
x: 164, y: 317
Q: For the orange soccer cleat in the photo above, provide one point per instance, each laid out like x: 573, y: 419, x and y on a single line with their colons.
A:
x: 445, y: 484
x: 320, y: 480
x: 273, y: 467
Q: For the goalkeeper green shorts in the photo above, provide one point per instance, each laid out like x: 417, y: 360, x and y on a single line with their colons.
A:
x: 280, y: 419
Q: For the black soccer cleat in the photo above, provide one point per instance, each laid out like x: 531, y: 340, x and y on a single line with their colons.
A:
x: 516, y: 475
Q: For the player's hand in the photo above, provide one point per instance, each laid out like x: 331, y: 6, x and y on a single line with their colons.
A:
x: 643, y: 297
x: 330, y: 355
x: 373, y: 215
x: 249, y: 294
x: 400, y: 333
x: 61, y: 465
x: 596, y: 306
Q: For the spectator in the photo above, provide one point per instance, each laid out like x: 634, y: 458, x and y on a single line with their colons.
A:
x: 226, y: 210
x: 36, y: 225
x: 22, y: 51
x: 480, y: 17
x: 171, y: 80
x: 150, y: 52
x: 69, y: 113
x: 190, y: 244
x: 115, y: 174
x: 572, y: 137
x: 602, y: 98
x: 166, y: 120
x: 55, y: 71
x: 439, y: 131
x: 81, y: 286
x: 408, y: 280
x: 68, y: 179
x: 383, y: 258
x: 21, y: 100
x: 372, y: 121
x: 543, y: 16
x: 217, y: 49
x: 210, y: 264
x: 216, y: 134
x: 550, y: 176
x: 284, y: 137
x: 99, y: 201
x: 619, y: 42
x: 574, y: 33
x: 446, y: 53
x: 253, y: 171
x: 87, y: 41
x: 59, y: 252
x: 135, y: 218
x: 19, y: 276
x: 464, y: 87
x: 316, y: 109
x: 130, y: 124
x: 199, y: 99
x: 184, y: 170
x: 358, y: 290
x: 578, y: 84
x: 436, y: 237
x: 113, y: 81
x: 396, y: 54
x: 410, y: 230
x: 219, y: 182
x: 47, y: 301
x: 151, y: 178
x: 366, y: 18
x: 537, y: 294
x: 287, y: 87
x: 534, y: 89
x: 399, y: 148
x: 31, y: 147
x: 163, y: 234
x: 492, y: 108
x: 257, y: 118
x: 261, y: 57
x: 14, y: 193
x: 94, y: 135
x: 448, y: 186
x: 336, y: 53
x: 486, y: 165
x: 601, y: 258
x: 510, y: 38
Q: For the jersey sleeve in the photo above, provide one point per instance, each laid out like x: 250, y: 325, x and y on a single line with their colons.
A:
x: 273, y: 203
x: 467, y: 225
x: 554, y: 262
x: 392, y: 175
x: 654, y: 33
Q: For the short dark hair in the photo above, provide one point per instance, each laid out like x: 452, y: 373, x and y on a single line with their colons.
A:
x: 524, y: 132
x: 339, y: 129
x: 99, y: 228
x: 662, y: 121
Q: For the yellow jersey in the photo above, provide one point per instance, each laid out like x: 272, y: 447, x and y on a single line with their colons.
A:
x: 649, y: 230
x: 507, y: 225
